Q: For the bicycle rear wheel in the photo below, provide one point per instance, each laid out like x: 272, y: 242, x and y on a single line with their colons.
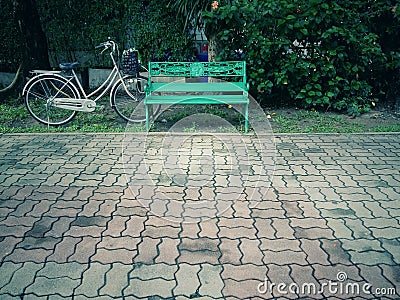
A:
x: 127, y: 99
x: 39, y: 94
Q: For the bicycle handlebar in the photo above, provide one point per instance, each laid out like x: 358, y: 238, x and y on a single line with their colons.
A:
x: 106, y: 45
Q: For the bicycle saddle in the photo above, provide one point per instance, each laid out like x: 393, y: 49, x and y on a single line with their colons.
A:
x: 68, y: 66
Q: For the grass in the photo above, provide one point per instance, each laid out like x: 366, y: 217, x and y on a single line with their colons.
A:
x: 314, y: 122
x: 14, y: 118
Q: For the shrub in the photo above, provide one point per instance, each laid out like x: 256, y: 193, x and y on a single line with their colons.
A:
x: 320, y: 54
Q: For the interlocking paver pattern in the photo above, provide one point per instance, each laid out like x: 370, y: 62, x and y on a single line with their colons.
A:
x: 113, y: 216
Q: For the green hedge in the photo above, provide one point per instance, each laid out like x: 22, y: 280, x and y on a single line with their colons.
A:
x: 10, y: 40
x: 74, y: 27
x: 322, y: 54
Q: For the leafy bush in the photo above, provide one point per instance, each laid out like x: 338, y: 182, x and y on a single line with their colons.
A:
x: 314, y: 53
x: 10, y: 39
x: 74, y: 27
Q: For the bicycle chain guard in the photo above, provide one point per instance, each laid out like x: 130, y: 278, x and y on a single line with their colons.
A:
x: 84, y: 105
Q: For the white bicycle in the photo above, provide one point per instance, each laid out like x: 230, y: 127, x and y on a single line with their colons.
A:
x: 54, y: 97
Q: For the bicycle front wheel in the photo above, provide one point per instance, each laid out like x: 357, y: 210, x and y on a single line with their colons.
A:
x: 127, y: 98
x: 39, y: 94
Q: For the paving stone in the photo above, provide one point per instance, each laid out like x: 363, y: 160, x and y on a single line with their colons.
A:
x: 29, y: 255
x: 199, y: 257
x: 307, y: 222
x: 7, y: 245
x: 279, y: 275
x: 147, y: 250
x: 280, y: 244
x: 358, y: 229
x: 304, y: 279
x: 187, y: 279
x: 116, y: 279
x: 380, y: 222
x: 134, y: 226
x: 108, y: 256
x: 268, y: 213
x: 63, y: 286
x: 7, y: 271
x: 211, y: 283
x: 125, y: 242
x: 373, y: 276
x: 64, y: 249
x: 393, y: 247
x: 236, y: 222
x: 392, y: 275
x: 251, y: 251
x: 230, y: 252
x: 199, y: 244
x: 59, y: 227
x: 237, y: 232
x: 371, y: 258
x: 376, y: 209
x: 333, y: 214
x: 209, y: 228
x: 167, y: 251
x: 246, y: 289
x: 55, y: 270
x: 22, y: 278
x: 336, y: 254
x: 284, y: 257
x: 282, y: 228
x: 159, y: 232
x: 244, y: 272
x: 264, y: 228
x: 315, y: 255
x: 362, y: 245
x: 323, y: 273
x: 313, y: 233
x: 157, y: 287
x: 159, y: 270
x: 340, y: 230
x: 35, y: 297
x: 93, y: 279
x: 241, y: 209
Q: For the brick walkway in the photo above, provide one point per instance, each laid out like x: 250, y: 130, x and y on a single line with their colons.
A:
x: 72, y: 228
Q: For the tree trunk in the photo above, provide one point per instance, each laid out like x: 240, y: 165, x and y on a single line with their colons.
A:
x: 33, y: 39
x: 211, y: 48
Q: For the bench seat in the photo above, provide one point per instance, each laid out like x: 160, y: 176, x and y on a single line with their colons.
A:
x: 197, y: 99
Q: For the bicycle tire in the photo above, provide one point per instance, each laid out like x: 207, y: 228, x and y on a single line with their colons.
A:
x: 38, y: 93
x: 129, y: 102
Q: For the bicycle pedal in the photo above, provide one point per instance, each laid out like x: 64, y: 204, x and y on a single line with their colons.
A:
x: 84, y: 105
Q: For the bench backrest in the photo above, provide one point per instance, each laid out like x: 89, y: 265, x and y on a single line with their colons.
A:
x: 199, y: 69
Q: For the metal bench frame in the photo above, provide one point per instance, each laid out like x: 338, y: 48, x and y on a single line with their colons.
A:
x: 232, y: 91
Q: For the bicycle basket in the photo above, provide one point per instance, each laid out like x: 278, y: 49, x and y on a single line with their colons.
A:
x: 130, y: 61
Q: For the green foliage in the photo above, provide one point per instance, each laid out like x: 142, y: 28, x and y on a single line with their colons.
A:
x: 10, y: 39
x: 157, y: 33
x: 322, y: 54
x: 74, y: 27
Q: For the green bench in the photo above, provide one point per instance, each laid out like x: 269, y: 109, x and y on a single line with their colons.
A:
x: 231, y: 88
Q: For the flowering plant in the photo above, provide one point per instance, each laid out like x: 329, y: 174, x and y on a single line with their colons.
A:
x: 214, y: 5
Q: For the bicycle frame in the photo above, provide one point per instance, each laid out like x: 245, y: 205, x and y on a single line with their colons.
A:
x: 105, y: 86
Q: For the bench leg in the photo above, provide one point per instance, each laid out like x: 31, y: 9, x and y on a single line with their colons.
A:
x: 246, y: 118
x: 147, y: 118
